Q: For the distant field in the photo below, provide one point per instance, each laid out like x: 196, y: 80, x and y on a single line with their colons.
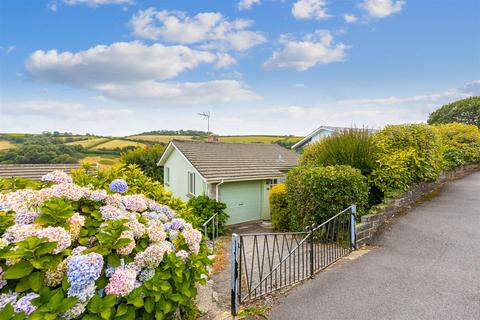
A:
x: 112, y: 144
x: 238, y: 139
x: 104, y: 161
x: 158, y: 139
x: 89, y: 143
x: 5, y: 145
x: 257, y: 139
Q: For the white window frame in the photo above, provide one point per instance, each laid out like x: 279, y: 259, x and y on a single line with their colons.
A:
x: 166, y: 178
x: 191, y: 182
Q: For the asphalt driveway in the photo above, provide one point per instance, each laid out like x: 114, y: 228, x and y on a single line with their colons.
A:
x: 426, y: 265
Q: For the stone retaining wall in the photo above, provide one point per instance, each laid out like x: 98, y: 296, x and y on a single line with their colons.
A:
x: 370, y: 223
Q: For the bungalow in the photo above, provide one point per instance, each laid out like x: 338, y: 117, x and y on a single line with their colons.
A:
x: 317, y: 134
x: 237, y: 174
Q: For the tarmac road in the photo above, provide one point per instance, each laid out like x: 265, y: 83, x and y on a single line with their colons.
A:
x: 426, y: 265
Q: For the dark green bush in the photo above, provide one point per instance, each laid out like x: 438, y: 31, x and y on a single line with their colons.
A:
x: 146, y: 158
x: 203, y: 208
x: 317, y: 193
x: 353, y: 147
x: 279, y: 209
x: 464, y: 111
x: 406, y: 154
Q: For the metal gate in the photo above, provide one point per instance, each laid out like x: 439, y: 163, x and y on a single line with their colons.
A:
x: 265, y: 262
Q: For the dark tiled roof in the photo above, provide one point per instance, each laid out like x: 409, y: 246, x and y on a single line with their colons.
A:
x: 219, y: 160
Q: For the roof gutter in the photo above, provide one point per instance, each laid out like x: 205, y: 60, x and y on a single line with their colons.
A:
x: 233, y: 179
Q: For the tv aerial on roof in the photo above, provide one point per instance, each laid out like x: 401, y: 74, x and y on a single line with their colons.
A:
x: 206, y: 116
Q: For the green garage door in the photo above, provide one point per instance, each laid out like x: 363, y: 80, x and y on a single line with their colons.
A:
x: 243, y: 200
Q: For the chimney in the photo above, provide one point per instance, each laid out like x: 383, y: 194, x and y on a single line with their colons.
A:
x: 212, y: 138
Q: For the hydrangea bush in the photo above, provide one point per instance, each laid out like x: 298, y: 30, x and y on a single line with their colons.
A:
x: 75, y: 252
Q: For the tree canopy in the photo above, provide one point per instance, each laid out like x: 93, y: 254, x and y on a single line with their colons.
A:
x: 464, y: 111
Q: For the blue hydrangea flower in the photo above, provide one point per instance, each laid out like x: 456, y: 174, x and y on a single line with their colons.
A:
x: 177, y: 224
x: 24, y: 304
x: 118, y: 185
x: 82, y: 272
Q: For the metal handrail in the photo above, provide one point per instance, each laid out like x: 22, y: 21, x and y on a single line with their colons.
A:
x: 213, y: 221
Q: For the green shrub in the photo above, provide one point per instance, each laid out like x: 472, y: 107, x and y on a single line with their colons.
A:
x: 406, y: 154
x: 460, y: 144
x: 353, y: 147
x: 203, y: 208
x: 146, y: 158
x: 464, y: 111
x: 318, y: 193
x: 279, y: 209
x: 71, y: 252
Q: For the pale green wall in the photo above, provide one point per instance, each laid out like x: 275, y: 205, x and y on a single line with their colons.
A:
x: 179, y: 167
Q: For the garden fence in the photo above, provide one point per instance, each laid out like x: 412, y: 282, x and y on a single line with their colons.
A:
x: 266, y: 262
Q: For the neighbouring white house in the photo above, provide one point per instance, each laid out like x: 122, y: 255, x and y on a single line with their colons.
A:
x: 237, y: 174
x: 317, y: 134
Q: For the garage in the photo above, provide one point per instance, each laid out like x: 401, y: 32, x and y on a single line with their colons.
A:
x: 243, y: 200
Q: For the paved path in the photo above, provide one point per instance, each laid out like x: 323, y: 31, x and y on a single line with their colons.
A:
x: 425, y: 266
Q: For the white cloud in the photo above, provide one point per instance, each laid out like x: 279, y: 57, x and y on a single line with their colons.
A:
x: 310, y: 9
x: 186, y: 93
x: 350, y: 18
x: 224, y: 60
x: 118, y: 62
x: 8, y: 49
x: 247, y: 4
x: 59, y: 109
x: 207, y: 29
x: 382, y: 8
x: 371, y: 112
x: 133, y: 71
x: 53, y: 5
x: 315, y: 48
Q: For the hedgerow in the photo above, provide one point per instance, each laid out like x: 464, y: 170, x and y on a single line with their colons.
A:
x: 460, y: 144
x: 318, y: 193
x: 78, y: 252
x: 279, y: 208
x: 406, y: 154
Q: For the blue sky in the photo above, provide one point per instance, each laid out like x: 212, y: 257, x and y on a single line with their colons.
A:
x: 119, y: 67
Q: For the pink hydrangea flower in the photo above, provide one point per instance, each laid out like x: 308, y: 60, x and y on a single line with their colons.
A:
x: 57, y: 176
x: 155, y: 231
x: 114, y: 200
x: 183, y: 255
x: 138, y: 229
x: 58, y: 235
x: 122, y: 282
x: 19, y: 232
x: 98, y: 195
x: 110, y: 212
x: 192, y: 237
x: 68, y: 190
x: 75, y: 223
x: 153, y: 255
x: 135, y: 202
x: 126, y: 250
